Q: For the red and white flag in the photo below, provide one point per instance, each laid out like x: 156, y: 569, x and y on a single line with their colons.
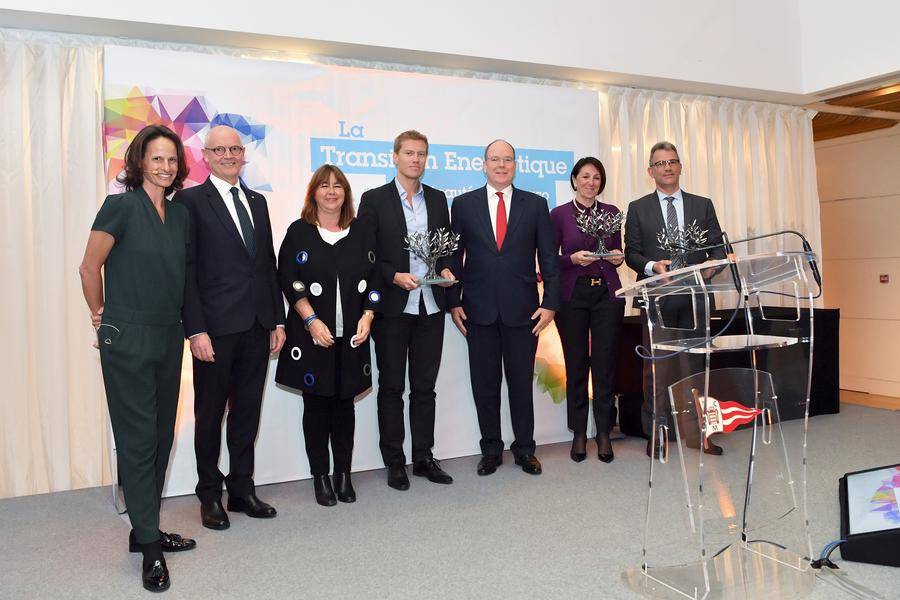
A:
x: 724, y: 416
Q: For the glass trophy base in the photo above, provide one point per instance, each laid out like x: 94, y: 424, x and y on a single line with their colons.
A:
x: 604, y: 254
x: 436, y: 280
x: 757, y: 570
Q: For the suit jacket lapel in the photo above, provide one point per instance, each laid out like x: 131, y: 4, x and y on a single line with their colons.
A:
x: 690, y: 213
x: 218, y: 206
x: 483, y: 214
x: 397, y: 207
x: 256, y: 210
x: 656, y: 210
x: 516, y: 208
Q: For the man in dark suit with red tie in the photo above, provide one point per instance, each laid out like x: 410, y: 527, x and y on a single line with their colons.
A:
x: 496, y: 304
x: 234, y: 317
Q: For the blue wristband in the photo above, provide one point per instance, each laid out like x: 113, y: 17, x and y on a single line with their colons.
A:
x: 308, y: 320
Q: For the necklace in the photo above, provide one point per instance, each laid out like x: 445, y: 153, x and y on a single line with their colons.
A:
x: 593, y: 208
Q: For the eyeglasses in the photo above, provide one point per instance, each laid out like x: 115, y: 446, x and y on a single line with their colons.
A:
x: 220, y: 150
x: 666, y: 163
x: 496, y: 160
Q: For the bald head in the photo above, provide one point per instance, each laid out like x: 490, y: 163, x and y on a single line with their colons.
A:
x: 499, y: 164
x: 227, y: 165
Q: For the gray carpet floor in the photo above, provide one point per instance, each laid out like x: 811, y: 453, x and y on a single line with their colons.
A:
x: 568, y: 533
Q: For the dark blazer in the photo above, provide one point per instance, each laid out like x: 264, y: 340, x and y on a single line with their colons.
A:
x: 645, y: 220
x: 503, y: 283
x: 309, y: 267
x: 380, y: 208
x: 227, y: 289
x: 570, y: 240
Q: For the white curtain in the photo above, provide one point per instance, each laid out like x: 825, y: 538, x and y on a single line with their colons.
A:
x: 755, y: 160
x: 53, y: 428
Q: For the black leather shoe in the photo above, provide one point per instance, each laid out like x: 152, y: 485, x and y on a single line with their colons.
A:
x: 579, y: 451
x: 530, y: 464
x: 397, y: 478
x: 213, y: 515
x: 155, y: 576
x: 324, y: 491
x: 604, y: 448
x: 713, y: 449
x: 489, y: 464
x: 251, y: 506
x: 169, y: 542
x: 431, y: 469
x: 344, y: 487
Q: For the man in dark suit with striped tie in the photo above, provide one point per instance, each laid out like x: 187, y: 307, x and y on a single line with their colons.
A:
x: 496, y: 304
x: 667, y: 207
x: 234, y: 317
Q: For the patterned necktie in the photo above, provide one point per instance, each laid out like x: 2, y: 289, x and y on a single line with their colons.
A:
x: 671, y: 214
x: 246, y: 224
x: 501, y: 220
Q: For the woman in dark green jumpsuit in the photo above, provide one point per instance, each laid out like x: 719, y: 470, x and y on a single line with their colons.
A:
x: 139, y: 238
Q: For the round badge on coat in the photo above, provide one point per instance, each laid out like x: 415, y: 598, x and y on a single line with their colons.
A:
x: 372, y: 256
x: 315, y: 289
x: 302, y: 257
x: 362, y: 286
x: 367, y: 369
x: 309, y: 380
x: 296, y: 353
x: 299, y: 286
x: 374, y: 296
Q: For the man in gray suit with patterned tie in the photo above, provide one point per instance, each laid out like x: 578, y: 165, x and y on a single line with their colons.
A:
x: 667, y: 207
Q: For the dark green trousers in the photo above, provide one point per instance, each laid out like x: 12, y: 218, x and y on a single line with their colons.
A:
x: 142, y: 375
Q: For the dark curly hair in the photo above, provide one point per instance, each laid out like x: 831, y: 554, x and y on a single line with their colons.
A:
x: 588, y: 160
x: 132, y: 175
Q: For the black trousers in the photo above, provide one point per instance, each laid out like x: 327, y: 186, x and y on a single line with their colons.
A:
x: 589, y: 325
x: 236, y: 379
x: 419, y: 340
x: 677, y: 312
x: 142, y: 376
x: 494, y: 349
x: 329, y: 418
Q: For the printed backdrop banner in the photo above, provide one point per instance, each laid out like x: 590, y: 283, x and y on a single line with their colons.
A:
x: 292, y: 118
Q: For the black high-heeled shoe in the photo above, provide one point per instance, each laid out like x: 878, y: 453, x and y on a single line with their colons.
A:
x: 324, y: 492
x: 604, y: 448
x: 579, y: 447
x: 343, y: 487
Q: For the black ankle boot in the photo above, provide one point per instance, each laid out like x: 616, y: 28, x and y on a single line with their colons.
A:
x: 154, y: 573
x: 344, y: 487
x: 324, y: 492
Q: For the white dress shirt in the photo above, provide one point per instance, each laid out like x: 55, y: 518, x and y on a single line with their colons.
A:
x: 493, y: 201
x: 224, y: 189
x: 332, y: 237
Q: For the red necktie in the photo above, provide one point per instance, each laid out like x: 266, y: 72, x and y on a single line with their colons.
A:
x: 501, y: 220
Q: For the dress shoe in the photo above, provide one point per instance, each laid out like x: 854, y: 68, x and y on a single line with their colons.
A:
x: 344, y: 487
x: 431, y: 469
x: 324, y: 491
x: 155, y: 575
x: 713, y: 449
x: 579, y: 451
x: 251, y: 506
x: 604, y: 448
x: 397, y: 478
x: 489, y: 464
x: 529, y: 463
x: 213, y: 515
x: 169, y: 542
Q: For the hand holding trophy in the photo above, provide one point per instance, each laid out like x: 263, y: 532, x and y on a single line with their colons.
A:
x: 431, y: 246
x: 680, y: 242
x: 599, y: 224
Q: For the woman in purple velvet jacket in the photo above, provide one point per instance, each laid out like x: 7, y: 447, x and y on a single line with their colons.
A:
x: 591, y: 317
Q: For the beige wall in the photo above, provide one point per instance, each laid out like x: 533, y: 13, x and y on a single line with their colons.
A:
x: 859, y: 190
